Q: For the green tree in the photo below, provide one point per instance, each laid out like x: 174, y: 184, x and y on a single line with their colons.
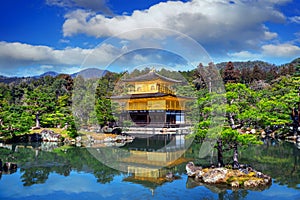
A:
x: 239, y: 99
x: 105, y: 109
x: 238, y: 102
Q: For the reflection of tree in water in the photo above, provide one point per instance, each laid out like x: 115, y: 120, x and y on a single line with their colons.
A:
x: 278, y: 159
x: 34, y: 175
x: 36, y: 167
x: 233, y: 195
x: 81, y: 160
x: 222, y: 191
x: 103, y: 176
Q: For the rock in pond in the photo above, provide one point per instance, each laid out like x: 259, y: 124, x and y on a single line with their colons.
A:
x: 191, y: 169
x: 216, y: 175
x: 234, y: 178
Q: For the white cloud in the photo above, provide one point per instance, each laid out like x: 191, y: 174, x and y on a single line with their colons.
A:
x: 244, y: 56
x: 25, y: 52
x: 46, y: 67
x: 270, y: 35
x: 17, y: 56
x: 94, y: 5
x: 271, y: 52
x: 210, y: 22
x: 281, y: 50
x: 24, y: 59
x: 295, y: 19
x: 64, y: 41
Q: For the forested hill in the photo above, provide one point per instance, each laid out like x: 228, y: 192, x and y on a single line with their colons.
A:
x: 249, y: 65
x: 265, y: 66
x: 296, y: 62
x: 5, y: 79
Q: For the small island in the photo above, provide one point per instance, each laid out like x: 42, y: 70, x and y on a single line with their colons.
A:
x: 244, y: 177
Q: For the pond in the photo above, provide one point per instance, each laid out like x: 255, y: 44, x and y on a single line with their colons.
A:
x: 70, y: 172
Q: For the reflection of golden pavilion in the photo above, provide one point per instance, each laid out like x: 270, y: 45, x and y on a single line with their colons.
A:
x: 151, y: 101
x: 151, y: 159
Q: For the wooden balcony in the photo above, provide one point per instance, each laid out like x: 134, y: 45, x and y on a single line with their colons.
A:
x: 147, y: 89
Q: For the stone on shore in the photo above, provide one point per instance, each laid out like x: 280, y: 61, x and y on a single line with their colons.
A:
x: 50, y: 136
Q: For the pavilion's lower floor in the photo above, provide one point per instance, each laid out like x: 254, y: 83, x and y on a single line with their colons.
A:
x: 154, y: 118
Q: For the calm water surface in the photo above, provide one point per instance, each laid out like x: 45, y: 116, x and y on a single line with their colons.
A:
x: 75, y: 173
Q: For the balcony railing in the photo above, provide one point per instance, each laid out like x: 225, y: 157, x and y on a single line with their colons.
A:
x: 140, y: 90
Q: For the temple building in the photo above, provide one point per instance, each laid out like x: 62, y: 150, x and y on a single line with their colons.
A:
x: 151, y: 101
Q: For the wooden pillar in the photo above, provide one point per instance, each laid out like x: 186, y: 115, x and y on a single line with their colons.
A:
x: 148, y: 118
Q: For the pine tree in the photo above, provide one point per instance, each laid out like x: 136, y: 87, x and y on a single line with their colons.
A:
x: 291, y: 69
x: 198, y: 77
x: 257, y: 73
x: 246, y: 75
x: 272, y: 74
x: 230, y: 75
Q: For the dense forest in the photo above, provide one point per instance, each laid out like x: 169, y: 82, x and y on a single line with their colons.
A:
x: 256, y: 97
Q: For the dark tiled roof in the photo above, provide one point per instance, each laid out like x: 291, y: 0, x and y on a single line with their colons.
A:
x: 147, y: 95
x: 137, y: 96
x: 151, y: 76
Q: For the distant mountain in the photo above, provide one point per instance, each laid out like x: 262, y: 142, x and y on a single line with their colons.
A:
x: 86, y: 73
x: 50, y: 73
x: 90, y: 73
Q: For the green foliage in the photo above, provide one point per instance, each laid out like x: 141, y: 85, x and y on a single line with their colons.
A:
x: 104, y: 106
x: 15, y: 120
x: 71, y: 130
x: 21, y: 101
x: 231, y: 137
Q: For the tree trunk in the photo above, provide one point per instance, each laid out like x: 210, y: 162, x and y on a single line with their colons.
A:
x: 209, y: 87
x: 220, y: 153
x: 211, y: 157
x: 232, y: 124
x: 37, y: 120
x: 230, y: 116
x: 236, y: 164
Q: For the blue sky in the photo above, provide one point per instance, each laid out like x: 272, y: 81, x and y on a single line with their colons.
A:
x: 69, y: 35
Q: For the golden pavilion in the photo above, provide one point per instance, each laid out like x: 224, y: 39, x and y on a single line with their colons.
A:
x: 151, y: 101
